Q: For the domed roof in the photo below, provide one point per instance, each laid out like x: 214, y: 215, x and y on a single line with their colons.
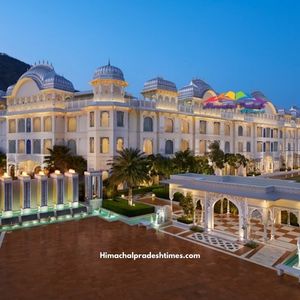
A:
x: 159, y: 83
x: 109, y: 72
x: 45, y: 77
x: 196, y: 88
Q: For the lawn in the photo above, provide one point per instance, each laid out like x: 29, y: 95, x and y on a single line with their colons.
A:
x: 121, y: 206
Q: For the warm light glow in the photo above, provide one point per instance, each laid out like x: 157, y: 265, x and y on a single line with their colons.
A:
x: 56, y: 172
x: 72, y: 171
x: 41, y: 173
x: 24, y: 173
x: 6, y: 175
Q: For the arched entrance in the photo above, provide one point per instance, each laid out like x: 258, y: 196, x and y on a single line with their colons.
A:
x: 226, y: 217
x: 199, y: 213
x: 256, y: 225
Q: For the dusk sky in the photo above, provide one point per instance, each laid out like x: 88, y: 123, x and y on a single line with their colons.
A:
x: 232, y: 45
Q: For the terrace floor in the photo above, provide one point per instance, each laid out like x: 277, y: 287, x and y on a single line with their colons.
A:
x: 61, y: 261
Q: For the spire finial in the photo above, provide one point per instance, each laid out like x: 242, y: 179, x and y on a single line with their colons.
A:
x: 109, y: 61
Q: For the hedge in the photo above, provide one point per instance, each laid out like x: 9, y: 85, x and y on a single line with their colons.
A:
x: 161, y: 192
x: 121, y: 206
x: 185, y: 220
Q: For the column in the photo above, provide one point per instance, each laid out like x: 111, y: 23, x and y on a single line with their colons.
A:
x: 72, y: 188
x: 222, y: 200
x: 6, y: 193
x: 208, y: 214
x: 88, y: 186
x: 228, y: 207
x: 58, y: 189
x: 25, y: 192
x: 288, y: 218
x: 194, y: 213
x: 42, y: 190
x: 265, y: 223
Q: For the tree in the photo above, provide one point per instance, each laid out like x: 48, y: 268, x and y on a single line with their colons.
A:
x: 187, y: 205
x: 61, y: 158
x: 161, y: 166
x: 2, y: 163
x: 201, y: 166
x: 132, y: 167
x: 216, y: 155
x: 183, y: 161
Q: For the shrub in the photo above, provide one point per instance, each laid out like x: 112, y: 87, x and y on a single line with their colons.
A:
x: 121, y: 206
x: 161, y: 192
x: 178, y: 197
x: 185, y: 220
x: 196, y: 228
x: 251, y: 244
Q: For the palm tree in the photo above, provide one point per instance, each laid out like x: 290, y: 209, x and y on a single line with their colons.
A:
x: 2, y: 163
x: 183, y: 161
x: 201, y: 166
x: 132, y: 167
x: 216, y: 155
x: 59, y: 158
x: 161, y: 166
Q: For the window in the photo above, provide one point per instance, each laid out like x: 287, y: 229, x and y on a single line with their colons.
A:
x: 275, y: 146
x: 272, y: 133
x: 264, y: 147
x: 28, y: 125
x: 72, y: 146
x: 202, y: 127
x: 259, y: 131
x: 202, y: 146
x: 28, y: 147
x: 227, y: 147
x: 104, y: 145
x: 148, y: 124
x: 280, y: 134
x: 48, y: 124
x: 92, y: 118
x: 240, y: 131
x: 268, y: 132
x: 185, y: 126
x: 227, y: 130
x: 120, y: 144
x: 104, y: 119
x: 169, y: 147
x: 272, y: 147
x: 21, y: 146
x: 12, y: 126
x: 169, y: 125
x: 184, y: 145
x: 275, y: 133
x: 37, y: 124
x: 36, y: 146
x: 12, y: 146
x: 248, y: 147
x: 248, y: 131
x: 240, y: 147
x: 148, y: 147
x: 71, y: 124
x: 120, y: 119
x: 21, y: 125
x: 92, y: 145
x: 216, y: 128
x: 259, y: 146
x: 47, y: 145
x: 289, y: 147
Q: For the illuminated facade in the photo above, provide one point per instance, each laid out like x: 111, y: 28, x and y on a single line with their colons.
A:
x: 43, y: 109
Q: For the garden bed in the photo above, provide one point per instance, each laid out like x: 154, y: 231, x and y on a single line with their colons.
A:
x: 121, y: 207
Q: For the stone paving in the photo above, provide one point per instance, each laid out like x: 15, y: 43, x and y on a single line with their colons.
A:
x: 61, y: 261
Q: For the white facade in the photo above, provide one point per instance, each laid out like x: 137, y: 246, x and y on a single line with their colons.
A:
x: 43, y: 110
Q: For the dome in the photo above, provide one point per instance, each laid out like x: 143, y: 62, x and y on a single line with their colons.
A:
x: 159, y: 83
x: 108, y: 72
x: 45, y: 77
x: 197, y: 88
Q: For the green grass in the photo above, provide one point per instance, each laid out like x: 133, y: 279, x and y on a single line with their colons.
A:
x: 121, y: 206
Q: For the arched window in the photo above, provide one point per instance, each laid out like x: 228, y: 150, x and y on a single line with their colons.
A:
x: 72, y: 146
x: 169, y: 147
x: 148, y: 124
x: 248, y: 147
x: 248, y: 131
x: 227, y: 130
x: 169, y: 125
x: 240, y: 147
x: 104, y: 145
x: 148, y: 147
x: 216, y: 128
x: 28, y: 147
x: 48, y: 124
x: 227, y: 147
x: 185, y: 126
x: 28, y: 125
x: 21, y: 125
x: 120, y: 144
x: 240, y: 131
x: 72, y: 124
x: 37, y: 124
x: 104, y: 119
x: 36, y: 146
x: 12, y: 126
x: 184, y: 145
x: 21, y: 146
x: 280, y: 134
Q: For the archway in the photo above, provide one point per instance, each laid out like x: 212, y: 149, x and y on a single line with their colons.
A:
x: 199, y: 213
x: 226, y: 216
x: 256, y: 230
